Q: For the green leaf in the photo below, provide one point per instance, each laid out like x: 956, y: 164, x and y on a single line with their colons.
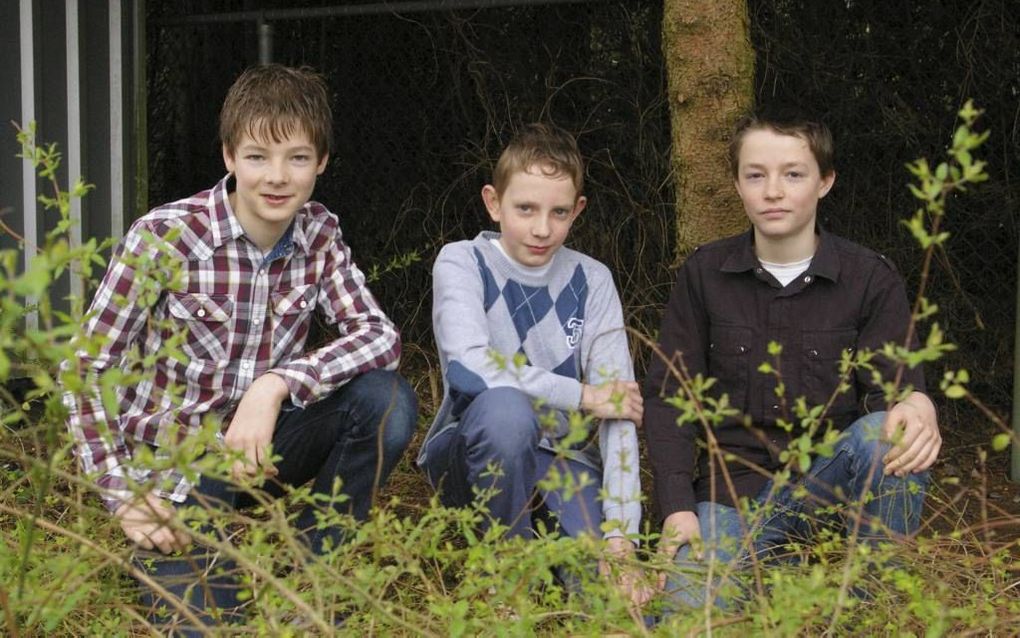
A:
x: 956, y: 391
x: 1001, y: 442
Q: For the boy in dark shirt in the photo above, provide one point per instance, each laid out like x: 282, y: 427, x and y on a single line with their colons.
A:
x: 818, y: 296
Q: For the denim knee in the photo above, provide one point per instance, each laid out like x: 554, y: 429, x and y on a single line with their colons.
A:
x: 386, y: 402
x: 864, y: 436
x: 503, y: 422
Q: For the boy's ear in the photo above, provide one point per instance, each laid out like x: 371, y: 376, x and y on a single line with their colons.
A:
x: 322, y: 164
x: 826, y: 184
x: 582, y: 201
x: 228, y: 158
x: 491, y: 199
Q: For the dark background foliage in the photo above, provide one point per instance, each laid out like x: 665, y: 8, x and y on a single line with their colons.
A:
x: 424, y: 101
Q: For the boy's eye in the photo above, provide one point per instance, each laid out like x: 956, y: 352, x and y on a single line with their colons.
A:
x: 254, y: 157
x: 561, y: 212
x: 524, y: 208
x: 302, y: 158
x: 795, y: 174
x: 752, y: 176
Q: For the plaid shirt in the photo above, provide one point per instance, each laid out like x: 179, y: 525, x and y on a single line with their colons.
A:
x: 243, y: 314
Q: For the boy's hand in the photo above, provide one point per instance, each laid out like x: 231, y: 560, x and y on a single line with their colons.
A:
x: 913, y: 428
x: 613, y: 400
x: 679, y: 529
x: 147, y: 522
x: 629, y: 578
x: 251, y: 429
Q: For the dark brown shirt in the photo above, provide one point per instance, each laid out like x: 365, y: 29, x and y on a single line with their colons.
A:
x: 722, y: 314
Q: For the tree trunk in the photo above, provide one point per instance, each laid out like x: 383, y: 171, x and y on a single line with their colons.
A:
x: 710, y: 71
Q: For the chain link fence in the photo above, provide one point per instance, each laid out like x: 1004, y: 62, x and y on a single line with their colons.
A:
x: 425, y: 100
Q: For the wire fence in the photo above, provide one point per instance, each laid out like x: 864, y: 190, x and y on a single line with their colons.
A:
x: 425, y: 100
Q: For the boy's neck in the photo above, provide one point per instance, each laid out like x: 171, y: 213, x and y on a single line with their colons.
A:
x: 785, y: 250
x: 262, y: 233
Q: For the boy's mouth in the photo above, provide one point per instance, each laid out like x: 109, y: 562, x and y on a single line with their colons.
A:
x: 275, y: 199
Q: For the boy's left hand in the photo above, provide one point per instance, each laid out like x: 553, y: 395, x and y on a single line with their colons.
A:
x: 913, y: 427
x: 629, y: 579
x: 251, y: 429
x: 613, y: 400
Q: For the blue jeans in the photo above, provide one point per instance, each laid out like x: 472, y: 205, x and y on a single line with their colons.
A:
x: 854, y: 470
x: 356, y: 434
x: 500, y: 430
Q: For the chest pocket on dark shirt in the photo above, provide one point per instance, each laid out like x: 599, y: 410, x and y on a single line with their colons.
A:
x: 207, y: 319
x: 729, y: 354
x: 291, y: 308
x: 821, y: 372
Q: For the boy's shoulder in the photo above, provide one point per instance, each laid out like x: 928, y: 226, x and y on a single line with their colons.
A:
x: 852, y: 251
x: 587, y: 262
x: 182, y: 224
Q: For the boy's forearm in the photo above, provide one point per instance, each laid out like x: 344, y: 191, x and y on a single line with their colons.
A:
x: 375, y: 343
x: 621, y: 479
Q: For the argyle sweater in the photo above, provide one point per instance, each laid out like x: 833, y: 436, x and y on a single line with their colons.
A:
x: 499, y: 326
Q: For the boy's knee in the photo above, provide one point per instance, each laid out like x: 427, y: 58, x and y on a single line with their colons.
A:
x: 388, y: 404
x: 503, y: 422
x: 865, y: 436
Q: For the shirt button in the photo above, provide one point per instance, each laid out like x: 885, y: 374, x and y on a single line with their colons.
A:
x: 807, y: 279
x: 758, y: 270
x: 246, y: 365
x: 304, y: 304
x: 256, y: 321
x: 775, y: 407
x: 743, y: 348
x: 813, y: 353
x: 201, y: 312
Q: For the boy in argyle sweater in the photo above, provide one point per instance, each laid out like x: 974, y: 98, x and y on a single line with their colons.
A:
x: 528, y: 331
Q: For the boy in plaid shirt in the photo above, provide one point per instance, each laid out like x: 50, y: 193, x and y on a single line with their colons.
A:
x: 256, y: 257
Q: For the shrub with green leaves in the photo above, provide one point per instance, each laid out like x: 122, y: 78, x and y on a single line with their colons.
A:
x: 417, y: 568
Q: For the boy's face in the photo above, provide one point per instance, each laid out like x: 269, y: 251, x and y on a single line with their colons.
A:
x: 274, y: 180
x: 780, y: 183
x: 534, y: 214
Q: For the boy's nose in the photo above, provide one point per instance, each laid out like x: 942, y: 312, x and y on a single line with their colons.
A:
x: 774, y: 188
x: 540, y: 227
x: 277, y: 173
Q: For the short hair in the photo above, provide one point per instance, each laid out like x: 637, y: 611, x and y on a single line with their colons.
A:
x: 786, y: 120
x: 547, y: 146
x: 269, y: 101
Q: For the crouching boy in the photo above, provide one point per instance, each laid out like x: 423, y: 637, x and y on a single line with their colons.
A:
x: 819, y: 297
x: 528, y: 331
x: 256, y: 258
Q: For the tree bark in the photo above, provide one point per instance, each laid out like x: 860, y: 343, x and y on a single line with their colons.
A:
x: 710, y: 74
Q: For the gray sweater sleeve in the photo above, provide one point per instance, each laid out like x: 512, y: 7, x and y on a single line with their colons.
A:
x: 606, y: 357
x: 462, y: 337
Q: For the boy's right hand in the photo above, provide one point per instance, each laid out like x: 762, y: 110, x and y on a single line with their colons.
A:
x: 679, y: 529
x: 148, y: 523
x: 613, y: 400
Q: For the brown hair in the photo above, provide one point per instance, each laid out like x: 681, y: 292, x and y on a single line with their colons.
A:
x: 786, y: 121
x: 545, y: 146
x: 270, y: 101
